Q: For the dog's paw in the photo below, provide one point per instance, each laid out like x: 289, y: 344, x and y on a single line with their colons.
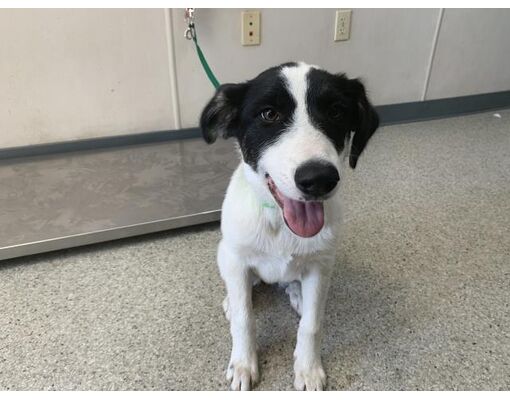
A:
x: 310, y: 378
x: 243, y: 375
x: 226, y: 308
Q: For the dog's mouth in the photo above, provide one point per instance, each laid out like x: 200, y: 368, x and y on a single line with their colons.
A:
x: 304, y: 218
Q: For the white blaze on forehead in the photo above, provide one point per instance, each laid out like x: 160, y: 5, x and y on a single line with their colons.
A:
x: 307, y: 140
x: 297, y: 85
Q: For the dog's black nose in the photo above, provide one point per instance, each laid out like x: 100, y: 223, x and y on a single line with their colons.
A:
x: 316, y: 177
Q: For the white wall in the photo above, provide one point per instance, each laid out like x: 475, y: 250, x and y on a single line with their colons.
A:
x: 70, y: 74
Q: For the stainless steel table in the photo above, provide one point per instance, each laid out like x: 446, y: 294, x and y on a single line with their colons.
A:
x: 71, y: 199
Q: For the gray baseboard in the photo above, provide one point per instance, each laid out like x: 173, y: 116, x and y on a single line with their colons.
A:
x: 99, y: 143
x: 443, y: 108
x: 389, y: 114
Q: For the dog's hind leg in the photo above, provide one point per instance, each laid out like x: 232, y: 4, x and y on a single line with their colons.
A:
x: 226, y: 308
x: 293, y: 289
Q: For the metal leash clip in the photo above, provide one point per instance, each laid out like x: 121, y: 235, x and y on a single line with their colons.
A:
x: 189, y: 15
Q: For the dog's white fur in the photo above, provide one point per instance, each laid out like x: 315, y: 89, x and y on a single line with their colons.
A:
x: 257, y: 244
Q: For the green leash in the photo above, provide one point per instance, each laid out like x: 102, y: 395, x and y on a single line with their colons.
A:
x: 191, y: 34
x: 204, y: 63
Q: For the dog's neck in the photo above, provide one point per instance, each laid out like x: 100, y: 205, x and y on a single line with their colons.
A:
x: 270, y: 212
x: 259, y: 186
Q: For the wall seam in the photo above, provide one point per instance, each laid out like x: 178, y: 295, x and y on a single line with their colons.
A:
x: 172, y: 68
x: 432, y: 54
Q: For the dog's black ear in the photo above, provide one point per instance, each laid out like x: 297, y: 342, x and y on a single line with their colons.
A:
x: 220, y: 116
x: 366, y: 122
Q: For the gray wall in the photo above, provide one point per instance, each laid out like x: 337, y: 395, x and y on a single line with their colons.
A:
x: 70, y: 74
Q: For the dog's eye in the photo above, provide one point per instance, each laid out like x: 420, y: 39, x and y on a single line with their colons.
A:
x: 269, y: 115
x: 336, y: 110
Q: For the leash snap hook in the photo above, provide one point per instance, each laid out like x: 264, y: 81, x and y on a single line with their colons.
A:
x: 189, y: 16
x: 189, y: 33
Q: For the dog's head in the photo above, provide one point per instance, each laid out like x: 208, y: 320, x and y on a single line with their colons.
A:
x: 293, y: 123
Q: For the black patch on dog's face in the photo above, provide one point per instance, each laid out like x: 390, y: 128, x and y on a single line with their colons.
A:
x: 338, y: 106
x: 331, y: 105
x: 236, y: 110
x: 267, y: 91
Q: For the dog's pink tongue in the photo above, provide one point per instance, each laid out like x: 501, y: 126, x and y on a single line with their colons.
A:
x: 305, y: 219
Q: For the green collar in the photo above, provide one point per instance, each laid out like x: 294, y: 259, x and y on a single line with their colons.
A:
x: 268, y: 205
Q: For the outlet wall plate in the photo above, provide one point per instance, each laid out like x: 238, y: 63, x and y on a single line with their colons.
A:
x: 250, y: 28
x: 343, y: 25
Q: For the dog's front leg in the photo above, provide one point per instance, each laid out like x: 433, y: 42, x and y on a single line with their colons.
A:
x: 308, y: 370
x: 242, y: 369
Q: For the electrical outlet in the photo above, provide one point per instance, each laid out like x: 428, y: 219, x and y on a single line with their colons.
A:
x: 343, y: 25
x: 250, y: 28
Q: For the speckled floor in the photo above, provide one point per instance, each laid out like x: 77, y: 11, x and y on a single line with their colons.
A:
x: 420, y: 299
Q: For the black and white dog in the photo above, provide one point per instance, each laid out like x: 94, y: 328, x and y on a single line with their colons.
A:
x: 281, y: 213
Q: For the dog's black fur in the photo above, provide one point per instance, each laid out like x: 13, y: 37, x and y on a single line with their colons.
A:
x: 336, y: 106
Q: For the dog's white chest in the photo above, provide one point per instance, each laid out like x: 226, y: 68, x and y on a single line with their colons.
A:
x: 277, y: 268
